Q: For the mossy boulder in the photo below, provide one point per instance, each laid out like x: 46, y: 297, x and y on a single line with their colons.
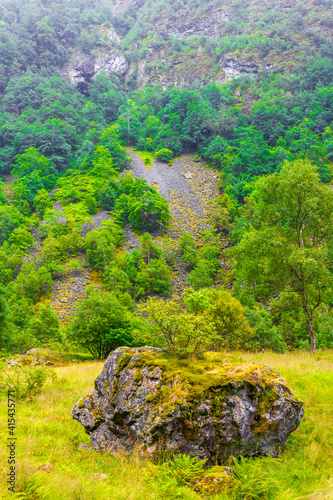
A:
x: 39, y: 356
x: 209, y: 408
x: 217, y: 480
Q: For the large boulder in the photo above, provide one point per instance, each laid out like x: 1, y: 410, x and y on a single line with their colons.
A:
x: 209, y: 408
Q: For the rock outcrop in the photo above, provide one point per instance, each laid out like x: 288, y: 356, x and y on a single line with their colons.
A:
x: 39, y: 356
x: 210, y: 409
x: 81, y: 70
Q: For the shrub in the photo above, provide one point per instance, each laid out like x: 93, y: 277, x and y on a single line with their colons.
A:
x: 101, y: 244
x: 220, y: 218
x: 44, y: 326
x: 26, y: 381
x: 148, y: 211
x: 115, y: 279
x: 21, y: 238
x: 187, y: 250
x: 202, y: 275
x: 153, y: 278
x: 173, y: 328
x: 267, y: 335
x: 164, y: 154
x: 225, y: 313
x: 141, y: 205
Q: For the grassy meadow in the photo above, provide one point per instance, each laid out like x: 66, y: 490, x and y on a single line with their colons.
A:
x: 46, y: 433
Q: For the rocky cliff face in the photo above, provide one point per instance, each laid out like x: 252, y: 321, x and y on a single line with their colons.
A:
x: 169, y: 46
x: 81, y: 69
x: 210, y: 409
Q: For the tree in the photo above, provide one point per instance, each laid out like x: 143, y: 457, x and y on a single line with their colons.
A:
x: 180, y: 332
x: 225, y: 313
x: 153, y: 278
x: 44, y: 326
x: 286, y: 249
x: 101, y: 244
x: 101, y: 324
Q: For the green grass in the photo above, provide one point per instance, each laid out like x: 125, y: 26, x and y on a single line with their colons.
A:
x: 147, y: 157
x: 47, y: 433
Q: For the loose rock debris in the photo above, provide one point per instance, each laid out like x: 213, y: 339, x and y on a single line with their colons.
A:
x: 188, y: 186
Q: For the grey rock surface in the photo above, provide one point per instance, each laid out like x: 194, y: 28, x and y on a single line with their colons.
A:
x: 245, y: 415
x: 81, y: 69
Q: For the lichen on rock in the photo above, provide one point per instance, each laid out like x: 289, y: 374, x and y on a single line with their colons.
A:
x: 208, y: 408
x: 40, y: 356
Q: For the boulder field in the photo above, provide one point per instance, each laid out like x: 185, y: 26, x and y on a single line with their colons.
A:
x: 212, y: 408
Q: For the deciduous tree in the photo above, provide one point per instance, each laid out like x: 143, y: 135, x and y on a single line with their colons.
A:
x: 286, y: 249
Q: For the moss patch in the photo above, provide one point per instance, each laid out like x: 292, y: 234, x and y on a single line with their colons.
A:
x: 214, y: 482
x: 193, y: 378
x: 185, y: 382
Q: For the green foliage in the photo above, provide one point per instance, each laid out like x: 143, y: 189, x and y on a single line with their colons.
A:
x: 221, y: 214
x: 267, y: 335
x: 287, y: 247
x: 148, y: 248
x: 153, y: 278
x: 44, y: 326
x: 202, y: 275
x: 115, y: 279
x: 21, y: 238
x: 141, y: 205
x: 42, y: 202
x: 26, y: 382
x: 32, y: 283
x: 35, y: 173
x: 10, y: 218
x: 186, y: 469
x: 52, y: 134
x: 187, y: 250
x: 101, y: 324
x: 180, y: 332
x: 101, y: 244
x: 164, y: 154
x: 4, y: 316
x: 227, y: 316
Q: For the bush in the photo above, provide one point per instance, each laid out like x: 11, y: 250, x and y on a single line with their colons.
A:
x: 202, y: 275
x: 141, y: 205
x: 226, y: 314
x: 187, y: 250
x: 26, y: 382
x: 267, y: 335
x: 174, y: 328
x: 153, y: 278
x: 164, y: 154
x: 101, y: 244
x: 220, y: 218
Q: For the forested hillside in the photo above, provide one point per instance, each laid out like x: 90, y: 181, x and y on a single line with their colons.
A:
x: 77, y: 91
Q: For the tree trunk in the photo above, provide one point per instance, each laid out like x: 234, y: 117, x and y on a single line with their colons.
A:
x: 312, y: 335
